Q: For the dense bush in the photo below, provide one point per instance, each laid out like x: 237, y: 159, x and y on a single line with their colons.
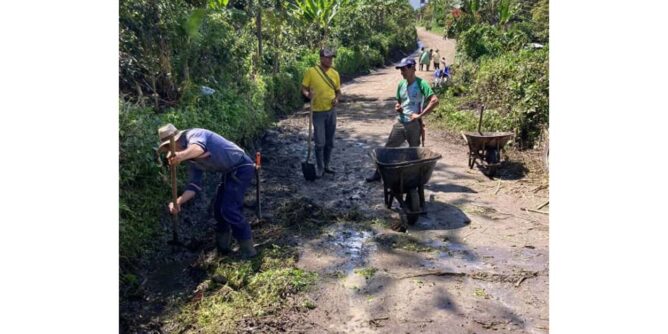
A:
x: 514, y: 87
x: 497, y: 65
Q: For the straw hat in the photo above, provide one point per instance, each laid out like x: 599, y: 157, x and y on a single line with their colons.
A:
x: 165, y: 132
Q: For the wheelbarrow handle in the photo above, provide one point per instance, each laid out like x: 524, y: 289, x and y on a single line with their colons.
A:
x: 482, y: 108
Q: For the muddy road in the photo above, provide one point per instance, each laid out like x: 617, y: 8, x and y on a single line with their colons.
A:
x: 477, y: 262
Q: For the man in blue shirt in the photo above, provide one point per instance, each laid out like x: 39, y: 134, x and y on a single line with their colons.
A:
x: 412, y: 93
x: 208, y: 151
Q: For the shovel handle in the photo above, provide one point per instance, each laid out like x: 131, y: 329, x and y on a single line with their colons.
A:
x: 310, y: 124
x: 482, y: 108
x: 172, y: 169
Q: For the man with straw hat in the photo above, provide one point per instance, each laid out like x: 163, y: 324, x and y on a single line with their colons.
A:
x: 208, y: 151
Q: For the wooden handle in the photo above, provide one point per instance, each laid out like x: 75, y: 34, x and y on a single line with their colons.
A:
x: 482, y: 108
x: 310, y: 120
x: 172, y: 169
x: 258, y: 160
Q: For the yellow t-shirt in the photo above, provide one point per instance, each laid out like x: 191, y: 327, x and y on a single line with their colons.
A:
x: 323, y: 94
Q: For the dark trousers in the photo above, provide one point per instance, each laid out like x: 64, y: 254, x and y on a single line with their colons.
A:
x: 401, y: 132
x: 228, y: 206
x: 324, y: 129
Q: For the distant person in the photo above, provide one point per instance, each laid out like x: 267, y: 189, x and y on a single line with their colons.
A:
x: 422, y: 55
x: 324, y: 83
x: 439, y: 77
x: 412, y: 92
x: 436, y: 59
x: 443, y: 62
x: 426, y: 60
x: 205, y: 150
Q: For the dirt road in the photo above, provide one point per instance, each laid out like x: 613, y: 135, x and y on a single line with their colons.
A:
x: 476, y: 263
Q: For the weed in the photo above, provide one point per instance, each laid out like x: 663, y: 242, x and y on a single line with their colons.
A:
x: 367, y: 273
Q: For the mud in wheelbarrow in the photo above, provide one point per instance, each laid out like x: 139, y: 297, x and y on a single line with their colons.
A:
x: 485, y: 149
x: 404, y: 172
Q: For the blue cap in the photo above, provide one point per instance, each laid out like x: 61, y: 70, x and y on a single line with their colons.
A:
x: 406, y: 62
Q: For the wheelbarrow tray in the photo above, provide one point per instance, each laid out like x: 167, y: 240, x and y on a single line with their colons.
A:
x: 487, y: 140
x: 484, y: 145
x: 405, y: 168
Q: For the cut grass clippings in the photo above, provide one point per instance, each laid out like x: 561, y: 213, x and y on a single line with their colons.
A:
x: 256, y: 288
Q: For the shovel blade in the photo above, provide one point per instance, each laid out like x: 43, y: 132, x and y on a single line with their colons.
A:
x: 309, y: 171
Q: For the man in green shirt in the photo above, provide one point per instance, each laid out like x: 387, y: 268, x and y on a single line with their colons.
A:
x: 412, y: 93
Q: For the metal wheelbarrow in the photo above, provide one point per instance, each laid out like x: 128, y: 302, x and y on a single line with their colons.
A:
x: 404, y: 172
x: 485, y: 147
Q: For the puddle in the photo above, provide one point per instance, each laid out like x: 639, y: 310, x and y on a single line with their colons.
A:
x: 352, y: 245
x: 339, y: 251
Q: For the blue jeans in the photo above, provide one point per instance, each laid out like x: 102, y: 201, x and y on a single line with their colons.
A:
x: 228, y: 207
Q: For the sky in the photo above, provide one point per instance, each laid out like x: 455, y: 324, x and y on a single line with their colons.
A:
x: 415, y: 3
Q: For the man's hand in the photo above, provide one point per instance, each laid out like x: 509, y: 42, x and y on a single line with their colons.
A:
x: 175, y: 159
x: 174, y: 210
x: 398, y: 108
x: 414, y: 117
x: 335, y: 101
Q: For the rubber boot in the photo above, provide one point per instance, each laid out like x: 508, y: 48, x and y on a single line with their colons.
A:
x: 246, y: 248
x: 223, y: 241
x: 327, y: 158
x: 319, y: 158
x: 375, y: 177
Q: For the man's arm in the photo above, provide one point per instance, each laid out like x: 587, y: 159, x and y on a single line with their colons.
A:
x: 192, y: 151
x: 433, y: 102
x: 336, y: 98
x: 306, y: 91
x: 185, y: 197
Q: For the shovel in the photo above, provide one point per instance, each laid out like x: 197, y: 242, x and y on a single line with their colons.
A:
x: 308, y: 169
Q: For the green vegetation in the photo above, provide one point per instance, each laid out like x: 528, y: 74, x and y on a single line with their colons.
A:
x: 257, y: 288
x: 402, y: 241
x: 252, y: 53
x: 502, y: 62
x: 367, y: 273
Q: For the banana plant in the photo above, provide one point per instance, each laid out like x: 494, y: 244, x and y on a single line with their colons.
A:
x: 505, y: 12
x: 318, y: 12
x: 217, y: 4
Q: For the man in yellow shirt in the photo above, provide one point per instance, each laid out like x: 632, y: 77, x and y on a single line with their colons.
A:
x: 322, y: 86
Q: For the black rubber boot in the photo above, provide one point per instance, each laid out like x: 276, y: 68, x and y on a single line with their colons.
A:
x: 319, y: 162
x: 246, y: 249
x: 327, y: 158
x: 223, y: 241
x: 374, y: 177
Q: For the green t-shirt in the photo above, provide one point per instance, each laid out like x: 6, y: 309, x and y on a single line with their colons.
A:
x: 424, y: 57
x: 412, y: 97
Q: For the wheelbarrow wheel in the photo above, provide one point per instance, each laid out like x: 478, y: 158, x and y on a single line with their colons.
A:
x: 491, y: 170
x: 413, y: 201
x: 471, y: 161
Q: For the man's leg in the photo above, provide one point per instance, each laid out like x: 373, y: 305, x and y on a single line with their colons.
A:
x: 412, y: 131
x: 330, y: 131
x: 223, y: 232
x: 232, y: 207
x: 319, y: 135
